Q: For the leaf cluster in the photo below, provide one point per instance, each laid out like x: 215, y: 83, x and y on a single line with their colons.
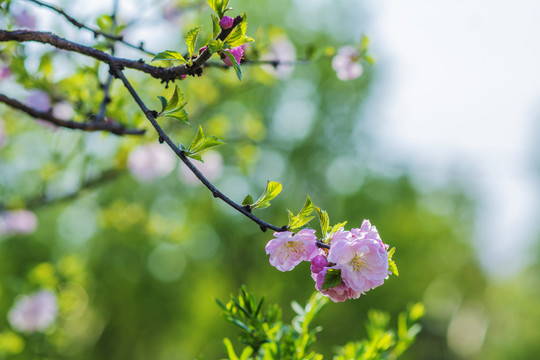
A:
x: 266, y: 337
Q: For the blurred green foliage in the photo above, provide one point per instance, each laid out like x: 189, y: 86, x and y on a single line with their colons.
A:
x: 137, y: 265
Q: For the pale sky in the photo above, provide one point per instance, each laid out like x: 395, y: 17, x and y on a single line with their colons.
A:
x: 459, y: 91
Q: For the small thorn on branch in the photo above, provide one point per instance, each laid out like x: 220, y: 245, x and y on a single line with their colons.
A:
x: 161, y: 140
x: 263, y: 228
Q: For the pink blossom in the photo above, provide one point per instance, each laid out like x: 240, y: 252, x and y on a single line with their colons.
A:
x: 318, y: 263
x: 151, y: 161
x: 226, y: 22
x: 337, y: 293
x: 35, y: 312
x: 237, y: 52
x: 38, y: 100
x: 346, y: 64
x: 5, y: 72
x: 283, y: 52
x: 25, y: 20
x: 17, y: 222
x: 288, y: 250
x: 211, y: 168
x: 362, y: 258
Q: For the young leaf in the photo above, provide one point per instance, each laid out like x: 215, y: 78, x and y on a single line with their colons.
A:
x: 174, y: 107
x: 391, y: 263
x: 219, y: 6
x: 163, y: 101
x: 215, y: 46
x: 235, y: 64
x: 105, y: 23
x: 296, y: 221
x: 191, y: 39
x: 169, y: 55
x: 332, y: 278
x: 337, y: 227
x: 248, y: 200
x: 200, y: 143
x: 324, y: 220
x: 238, y: 35
x: 215, y: 26
x: 273, y: 188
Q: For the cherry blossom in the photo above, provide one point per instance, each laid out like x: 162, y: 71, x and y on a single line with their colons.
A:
x: 34, y: 312
x: 346, y: 64
x: 151, y: 161
x: 287, y: 250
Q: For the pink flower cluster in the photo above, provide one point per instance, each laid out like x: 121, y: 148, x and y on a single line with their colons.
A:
x: 358, y: 256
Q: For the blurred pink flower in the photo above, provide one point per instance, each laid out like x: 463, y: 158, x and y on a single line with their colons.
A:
x: 346, y: 64
x: 283, y: 52
x: 26, y: 20
x: 237, y: 52
x: 17, y: 222
x: 5, y: 72
x: 38, y: 100
x: 362, y: 258
x: 287, y: 250
x: 151, y: 161
x: 211, y: 168
x: 35, y: 312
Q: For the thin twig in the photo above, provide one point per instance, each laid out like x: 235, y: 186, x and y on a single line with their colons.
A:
x: 107, y: 87
x: 163, y: 137
x: 95, y: 31
x: 111, y: 127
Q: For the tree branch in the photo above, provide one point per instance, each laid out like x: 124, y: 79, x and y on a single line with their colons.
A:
x: 114, y: 128
x: 163, y: 137
x: 165, y: 74
x: 95, y: 31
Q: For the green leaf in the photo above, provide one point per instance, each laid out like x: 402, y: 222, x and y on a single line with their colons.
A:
x: 238, y: 35
x: 219, y: 6
x: 169, y: 55
x: 235, y: 64
x: 105, y: 23
x: 332, y: 278
x: 191, y: 39
x: 215, y: 46
x: 337, y: 227
x: 273, y: 188
x: 230, y: 349
x: 302, y: 218
x: 246, y: 353
x: 174, y: 107
x: 215, y: 26
x: 391, y: 263
x: 324, y: 220
x: 181, y: 115
x: 248, y: 200
x: 163, y: 102
x: 200, y: 143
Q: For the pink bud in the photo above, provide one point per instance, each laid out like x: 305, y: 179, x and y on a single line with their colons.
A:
x: 226, y: 22
x: 237, y: 52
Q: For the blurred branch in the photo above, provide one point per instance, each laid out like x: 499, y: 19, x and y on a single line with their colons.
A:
x: 274, y: 63
x: 105, y: 177
x: 96, y: 32
x: 163, y: 137
x: 111, y: 127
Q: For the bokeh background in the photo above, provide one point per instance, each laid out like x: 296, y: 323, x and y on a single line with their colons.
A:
x: 435, y: 143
